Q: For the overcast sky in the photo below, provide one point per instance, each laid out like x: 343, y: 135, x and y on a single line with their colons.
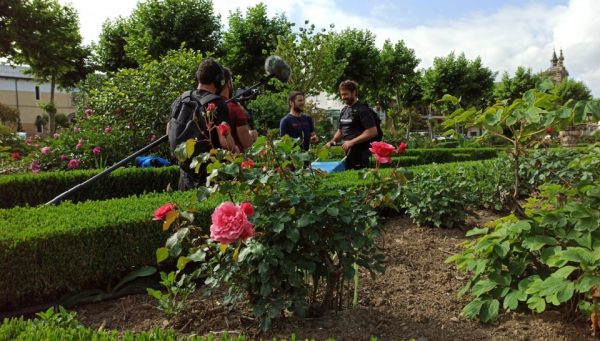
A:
x: 506, y: 34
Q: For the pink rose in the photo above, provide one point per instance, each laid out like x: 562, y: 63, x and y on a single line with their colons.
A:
x: 56, y: 135
x: 97, y: 150
x: 88, y: 112
x: 35, y: 167
x: 211, y: 107
x: 63, y: 157
x: 230, y: 223
x: 75, y: 129
x: 152, y: 138
x: 16, y: 155
x: 161, y: 212
x: 247, y: 208
x: 107, y: 130
x: 78, y: 146
x: 45, y: 150
x: 73, y: 163
x: 223, y: 128
x: 382, y: 151
x: 29, y: 142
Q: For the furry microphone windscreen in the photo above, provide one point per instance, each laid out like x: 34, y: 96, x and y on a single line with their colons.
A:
x: 275, y: 66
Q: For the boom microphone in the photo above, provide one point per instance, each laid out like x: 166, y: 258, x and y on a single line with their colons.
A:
x: 276, y: 67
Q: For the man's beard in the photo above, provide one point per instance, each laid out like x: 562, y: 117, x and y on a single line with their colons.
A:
x: 298, y: 109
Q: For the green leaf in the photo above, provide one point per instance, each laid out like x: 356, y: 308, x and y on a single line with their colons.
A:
x: 144, y: 271
x: 532, y: 115
x: 534, y: 243
x: 511, y: 301
x: 305, y: 220
x: 477, y: 231
x: 483, y: 286
x: 537, y: 304
x: 564, y: 272
x: 198, y: 256
x: 502, y: 249
x: 293, y: 235
x: 586, y: 282
x: 472, y: 309
x: 578, y: 254
x: 162, y: 254
x: 182, y: 262
x: 333, y: 211
x: 489, y: 310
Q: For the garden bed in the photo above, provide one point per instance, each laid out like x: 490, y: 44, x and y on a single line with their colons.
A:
x: 416, y: 298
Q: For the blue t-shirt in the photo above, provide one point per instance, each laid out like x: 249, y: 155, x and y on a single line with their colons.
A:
x: 297, y: 127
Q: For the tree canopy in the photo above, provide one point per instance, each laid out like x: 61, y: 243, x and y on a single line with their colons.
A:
x: 460, y: 77
x: 157, y: 26
x: 513, y: 88
x: 250, y: 39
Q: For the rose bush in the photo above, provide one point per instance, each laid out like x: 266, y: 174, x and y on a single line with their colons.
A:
x: 306, y: 238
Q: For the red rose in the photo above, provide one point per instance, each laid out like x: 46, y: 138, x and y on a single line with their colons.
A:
x: 223, y: 128
x: 16, y: 155
x: 549, y: 130
x: 161, y: 212
x: 382, y: 151
x: 402, y: 147
x: 248, y: 164
x: 247, y: 208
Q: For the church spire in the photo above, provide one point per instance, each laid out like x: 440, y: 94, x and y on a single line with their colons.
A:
x: 554, y: 60
x: 561, y: 59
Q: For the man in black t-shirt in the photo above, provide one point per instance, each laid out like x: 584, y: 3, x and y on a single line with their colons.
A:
x: 211, y: 80
x: 357, y: 127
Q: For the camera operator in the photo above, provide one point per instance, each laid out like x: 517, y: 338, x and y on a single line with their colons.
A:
x: 238, y: 118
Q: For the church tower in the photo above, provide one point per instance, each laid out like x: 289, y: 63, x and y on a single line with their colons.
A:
x: 557, y: 71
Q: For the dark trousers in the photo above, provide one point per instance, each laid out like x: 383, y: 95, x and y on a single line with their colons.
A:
x: 189, y: 180
x: 358, y: 157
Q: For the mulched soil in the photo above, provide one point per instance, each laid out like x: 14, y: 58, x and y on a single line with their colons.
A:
x: 415, y: 298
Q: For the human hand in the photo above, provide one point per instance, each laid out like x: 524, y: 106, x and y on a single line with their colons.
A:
x: 347, y: 145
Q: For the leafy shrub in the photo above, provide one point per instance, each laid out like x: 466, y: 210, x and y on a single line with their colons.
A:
x: 439, y: 198
x: 550, y: 258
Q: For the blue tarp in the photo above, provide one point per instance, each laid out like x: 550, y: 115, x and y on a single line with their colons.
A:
x: 329, y: 167
x: 151, y: 161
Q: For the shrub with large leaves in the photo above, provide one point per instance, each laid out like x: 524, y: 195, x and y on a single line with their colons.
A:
x: 549, y: 259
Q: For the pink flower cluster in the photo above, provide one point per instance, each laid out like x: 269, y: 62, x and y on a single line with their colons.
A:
x: 97, y: 150
x: 73, y: 163
x: 230, y: 222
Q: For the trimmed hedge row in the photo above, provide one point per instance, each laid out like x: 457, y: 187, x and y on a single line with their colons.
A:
x: 34, y: 189
x: 414, y: 157
x: 48, y: 251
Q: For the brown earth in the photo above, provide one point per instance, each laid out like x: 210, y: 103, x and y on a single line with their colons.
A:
x: 415, y: 298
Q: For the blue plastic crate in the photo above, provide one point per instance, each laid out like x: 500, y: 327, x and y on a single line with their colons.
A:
x: 330, y: 166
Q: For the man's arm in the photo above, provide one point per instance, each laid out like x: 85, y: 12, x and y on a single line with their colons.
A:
x: 243, y: 133
x: 336, y: 137
x: 283, y: 127
x: 365, y: 136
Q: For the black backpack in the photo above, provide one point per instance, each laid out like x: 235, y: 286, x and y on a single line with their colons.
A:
x: 379, y: 136
x: 187, y: 120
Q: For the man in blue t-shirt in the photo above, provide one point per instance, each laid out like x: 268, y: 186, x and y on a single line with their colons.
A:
x: 296, y: 124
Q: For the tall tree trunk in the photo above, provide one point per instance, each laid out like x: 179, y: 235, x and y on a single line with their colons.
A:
x: 52, y: 111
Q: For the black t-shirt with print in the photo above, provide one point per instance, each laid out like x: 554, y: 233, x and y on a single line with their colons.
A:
x: 354, y: 120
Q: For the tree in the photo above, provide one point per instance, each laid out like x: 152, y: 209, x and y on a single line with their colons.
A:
x: 311, y: 56
x: 158, y: 26
x: 570, y: 89
x: 397, y: 81
x: 51, y: 46
x: 250, y: 39
x: 109, y: 52
x: 459, y: 77
x: 513, y: 88
x: 358, y: 48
